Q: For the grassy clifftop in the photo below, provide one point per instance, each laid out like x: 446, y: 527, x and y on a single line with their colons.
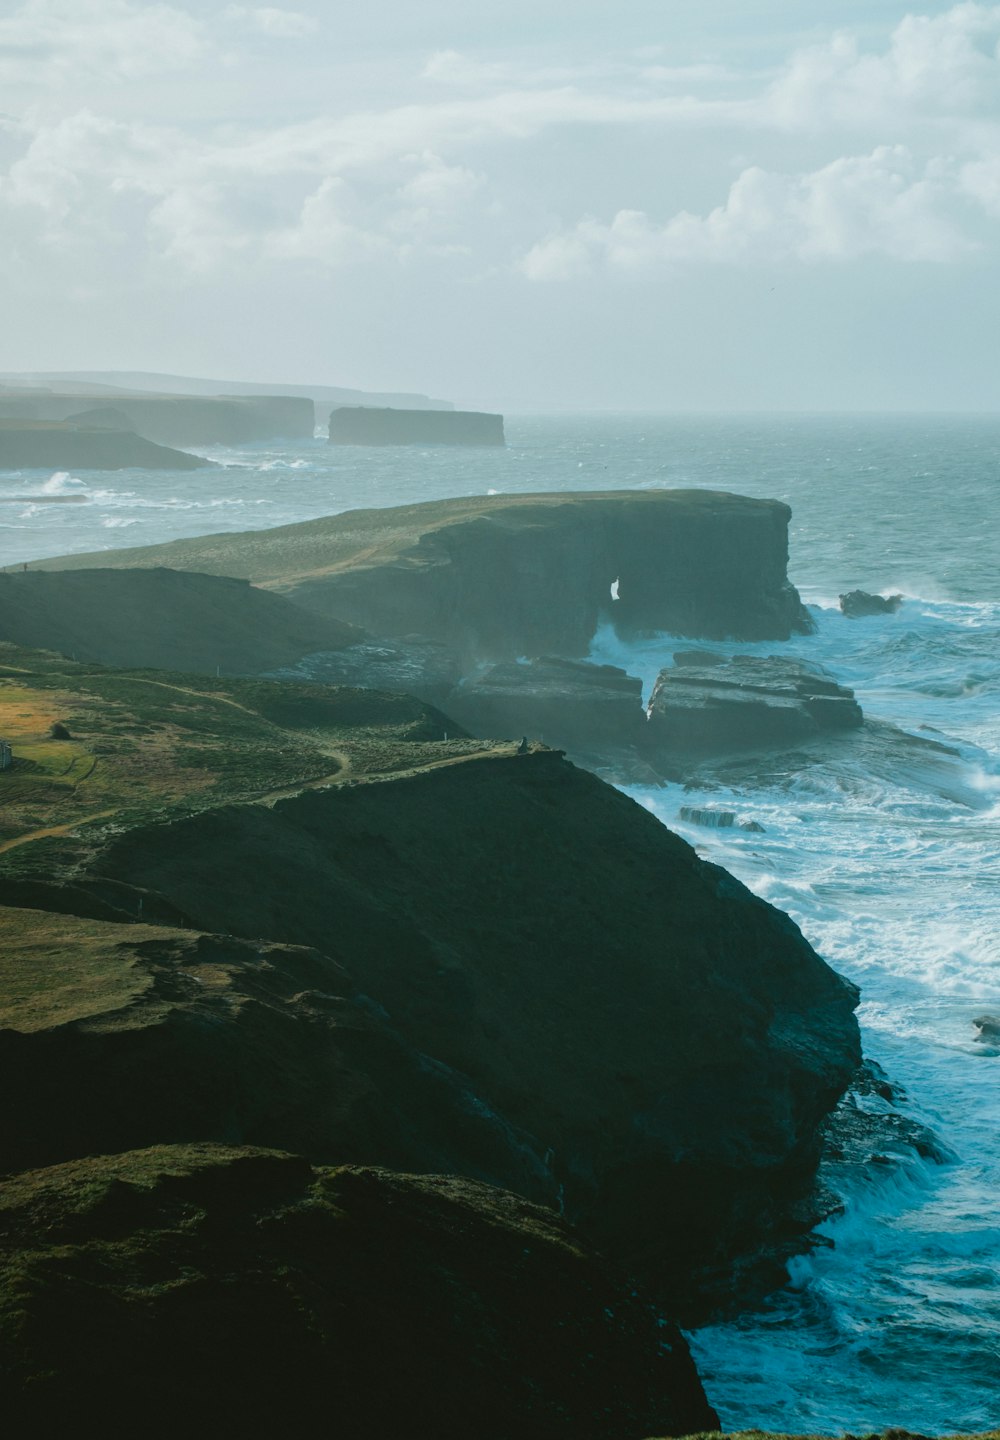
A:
x: 368, y: 538
x: 136, y: 746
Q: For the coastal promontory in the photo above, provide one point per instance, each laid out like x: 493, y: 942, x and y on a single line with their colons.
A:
x: 43, y: 445
x: 428, y: 952
x: 503, y: 576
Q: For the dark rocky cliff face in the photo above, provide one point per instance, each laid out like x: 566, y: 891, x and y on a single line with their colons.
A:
x: 532, y: 575
x: 504, y: 576
x: 216, y: 1290
x: 669, y: 1042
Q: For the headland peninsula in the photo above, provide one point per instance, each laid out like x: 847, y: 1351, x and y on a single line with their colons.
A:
x: 356, y: 1061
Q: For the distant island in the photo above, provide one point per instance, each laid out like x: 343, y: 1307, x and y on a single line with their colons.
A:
x: 366, y: 425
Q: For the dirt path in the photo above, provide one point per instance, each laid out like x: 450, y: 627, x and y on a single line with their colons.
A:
x: 344, y: 773
x: 54, y: 830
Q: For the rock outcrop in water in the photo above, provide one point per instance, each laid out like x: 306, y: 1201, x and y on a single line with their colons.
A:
x: 37, y: 445
x: 366, y: 425
x: 505, y: 576
x: 746, y: 702
x: 858, y: 603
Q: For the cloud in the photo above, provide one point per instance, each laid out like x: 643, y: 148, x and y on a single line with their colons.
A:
x: 979, y: 181
x: 45, y: 41
x: 884, y: 203
x: 91, y: 180
x: 934, y: 67
x: 267, y: 20
x: 408, y: 179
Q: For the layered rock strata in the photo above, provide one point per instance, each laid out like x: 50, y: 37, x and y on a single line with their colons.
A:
x: 574, y: 705
x: 746, y: 702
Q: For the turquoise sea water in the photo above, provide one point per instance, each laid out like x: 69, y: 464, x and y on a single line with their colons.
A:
x: 892, y: 869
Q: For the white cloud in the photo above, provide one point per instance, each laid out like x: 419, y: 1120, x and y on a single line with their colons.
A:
x: 408, y: 179
x: 268, y: 20
x: 328, y: 230
x: 979, y: 180
x: 44, y: 41
x: 935, y: 66
x: 884, y: 203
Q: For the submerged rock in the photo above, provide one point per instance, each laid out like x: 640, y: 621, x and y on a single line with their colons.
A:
x: 747, y: 702
x: 857, y: 603
x: 242, y: 1291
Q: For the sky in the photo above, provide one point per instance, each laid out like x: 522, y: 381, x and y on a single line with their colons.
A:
x: 544, y: 204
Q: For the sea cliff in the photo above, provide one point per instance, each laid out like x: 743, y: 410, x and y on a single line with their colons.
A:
x: 498, y: 577
x: 178, y: 419
x: 605, y: 1020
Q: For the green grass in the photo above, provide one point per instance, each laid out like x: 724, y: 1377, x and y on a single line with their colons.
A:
x: 149, y: 745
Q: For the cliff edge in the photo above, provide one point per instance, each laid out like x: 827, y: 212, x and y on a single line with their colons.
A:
x: 499, y: 577
x: 665, y: 1045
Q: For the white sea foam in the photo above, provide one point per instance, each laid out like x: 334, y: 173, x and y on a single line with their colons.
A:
x: 62, y: 483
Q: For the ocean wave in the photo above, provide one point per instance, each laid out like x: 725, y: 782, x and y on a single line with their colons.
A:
x: 62, y: 483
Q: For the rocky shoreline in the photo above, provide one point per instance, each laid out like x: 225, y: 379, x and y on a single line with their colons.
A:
x: 248, y: 920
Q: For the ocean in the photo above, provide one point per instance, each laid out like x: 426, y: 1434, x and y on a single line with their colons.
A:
x: 888, y: 860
